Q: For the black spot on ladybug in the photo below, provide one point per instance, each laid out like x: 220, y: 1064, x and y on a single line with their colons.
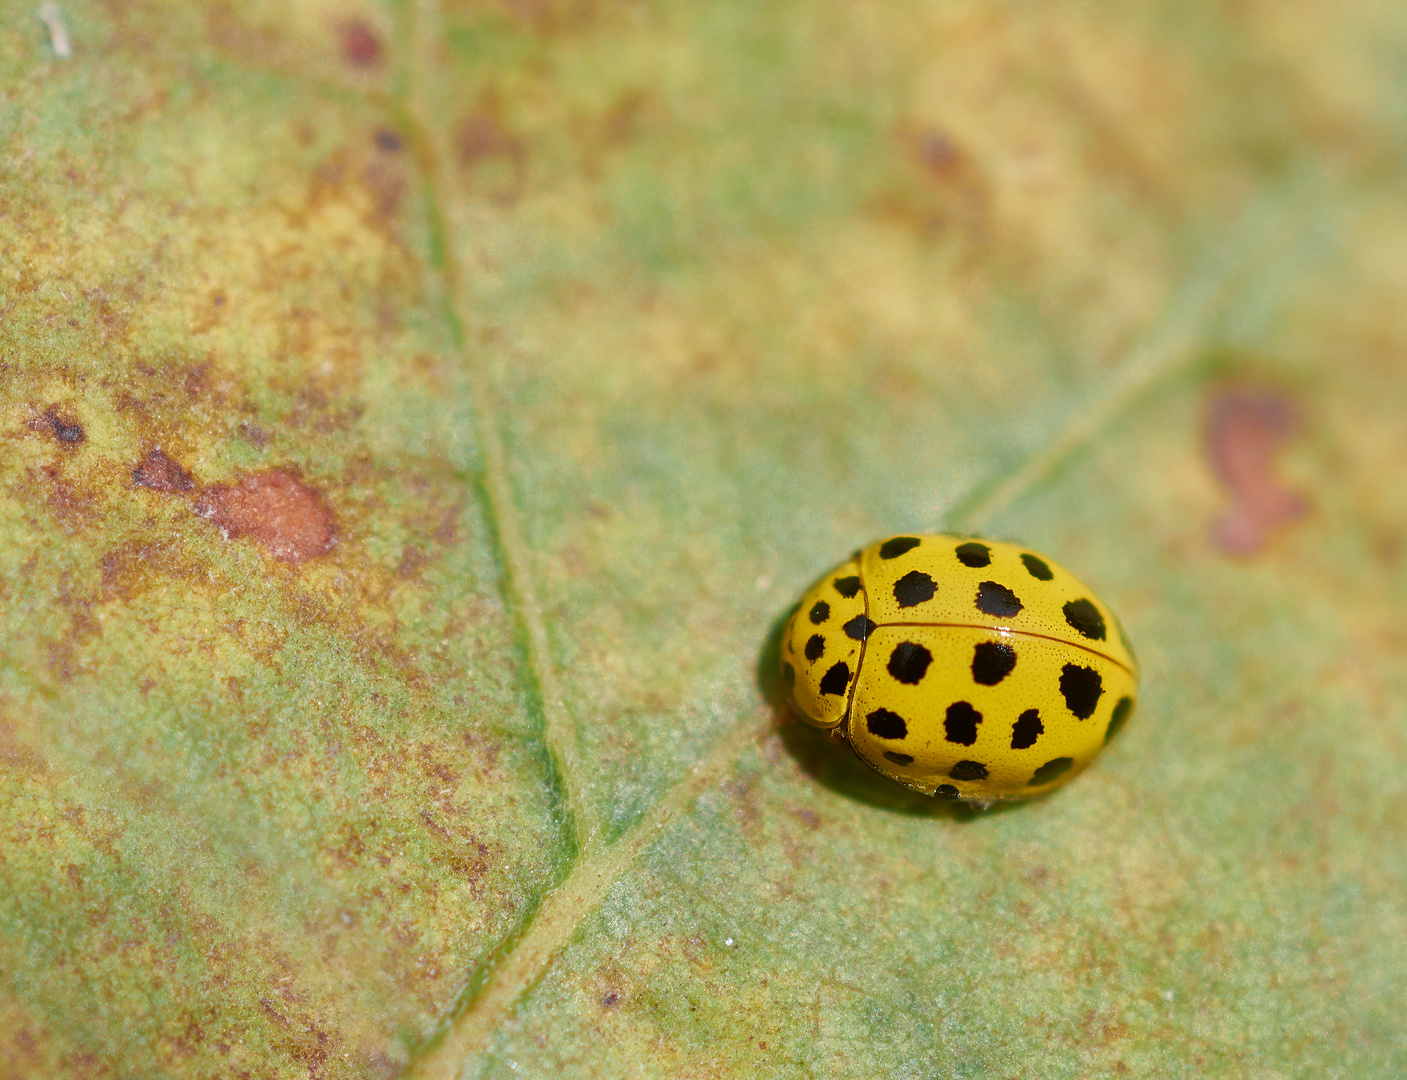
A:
x: 1119, y: 717
x: 836, y: 679
x: 859, y: 627
x: 960, y: 723
x: 1037, y: 568
x: 968, y: 770
x: 886, y: 724
x: 1027, y: 729
x: 847, y: 586
x: 974, y: 555
x: 1082, y: 688
x: 992, y: 662
x: 994, y: 599
x: 815, y: 648
x: 946, y: 791
x: 1051, y: 769
x: 909, y: 662
x: 914, y: 588
x: 789, y: 675
x: 820, y: 613
x: 898, y: 758
x: 893, y: 548
x: 1085, y: 619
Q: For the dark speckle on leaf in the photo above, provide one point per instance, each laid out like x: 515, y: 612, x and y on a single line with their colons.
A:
x: 161, y: 473
x: 65, y: 428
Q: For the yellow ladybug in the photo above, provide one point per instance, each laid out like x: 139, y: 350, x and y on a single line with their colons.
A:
x: 965, y: 669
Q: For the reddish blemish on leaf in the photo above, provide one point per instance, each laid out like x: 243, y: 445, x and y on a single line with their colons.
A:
x: 496, y: 157
x: 161, y: 473
x: 64, y: 428
x: 275, y: 509
x: 360, y: 45
x: 1246, y: 430
x: 939, y: 153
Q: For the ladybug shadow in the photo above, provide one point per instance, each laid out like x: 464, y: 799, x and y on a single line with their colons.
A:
x: 831, y: 763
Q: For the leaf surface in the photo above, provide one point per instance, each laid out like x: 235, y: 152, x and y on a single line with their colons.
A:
x: 420, y: 418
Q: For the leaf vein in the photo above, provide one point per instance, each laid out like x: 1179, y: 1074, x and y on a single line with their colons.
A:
x: 513, y: 553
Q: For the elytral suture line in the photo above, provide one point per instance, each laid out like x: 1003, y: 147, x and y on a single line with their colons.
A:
x: 478, y: 1013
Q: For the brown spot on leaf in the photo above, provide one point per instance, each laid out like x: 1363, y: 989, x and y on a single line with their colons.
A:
x: 361, y: 47
x: 1246, y: 429
x: 388, y: 141
x: 610, y: 999
x: 413, y: 561
x: 938, y: 153
x: 809, y: 818
x: 386, y: 186
x: 622, y: 121
x: 74, y: 507
x: 958, y: 186
x: 161, y: 473
x: 496, y: 159
x: 63, y: 427
x: 275, y: 509
x: 950, y: 196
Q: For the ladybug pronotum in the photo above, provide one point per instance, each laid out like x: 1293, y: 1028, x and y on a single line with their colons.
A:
x: 965, y: 669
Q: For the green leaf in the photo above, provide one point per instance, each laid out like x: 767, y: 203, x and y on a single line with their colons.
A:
x: 419, y: 419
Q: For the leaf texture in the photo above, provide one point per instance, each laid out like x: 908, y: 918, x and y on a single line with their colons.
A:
x: 421, y: 417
